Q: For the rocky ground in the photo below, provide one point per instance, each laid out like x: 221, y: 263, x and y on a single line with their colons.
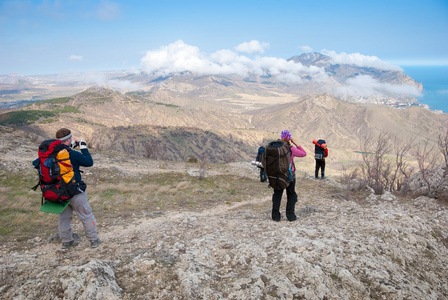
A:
x: 338, y: 249
x: 344, y: 245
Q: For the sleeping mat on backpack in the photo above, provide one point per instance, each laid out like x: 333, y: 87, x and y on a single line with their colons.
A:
x: 54, y: 208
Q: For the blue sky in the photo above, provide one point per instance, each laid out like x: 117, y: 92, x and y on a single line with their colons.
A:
x: 47, y: 37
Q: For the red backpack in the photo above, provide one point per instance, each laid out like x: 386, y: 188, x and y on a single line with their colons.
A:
x: 56, y: 176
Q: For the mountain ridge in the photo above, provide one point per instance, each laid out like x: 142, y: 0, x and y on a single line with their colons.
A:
x: 342, y: 80
x: 342, y: 72
x: 136, y: 123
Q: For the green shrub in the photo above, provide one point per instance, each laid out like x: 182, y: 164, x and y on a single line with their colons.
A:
x: 167, y: 105
x: 55, y: 101
x: 25, y: 117
x: 69, y: 109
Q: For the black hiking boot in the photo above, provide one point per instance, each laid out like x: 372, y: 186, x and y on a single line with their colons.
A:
x: 95, y: 243
x: 292, y: 218
x: 70, y: 244
x: 276, y: 216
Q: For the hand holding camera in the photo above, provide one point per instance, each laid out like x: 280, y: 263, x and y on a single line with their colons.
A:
x: 82, y: 144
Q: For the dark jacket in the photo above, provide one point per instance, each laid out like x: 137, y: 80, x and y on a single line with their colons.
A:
x: 80, y: 159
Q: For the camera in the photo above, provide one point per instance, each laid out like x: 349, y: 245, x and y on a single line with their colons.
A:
x: 74, y: 144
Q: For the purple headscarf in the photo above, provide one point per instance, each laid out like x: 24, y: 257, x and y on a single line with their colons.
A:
x: 286, y: 135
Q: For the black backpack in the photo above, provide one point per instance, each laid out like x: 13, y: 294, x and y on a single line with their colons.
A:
x: 276, y: 161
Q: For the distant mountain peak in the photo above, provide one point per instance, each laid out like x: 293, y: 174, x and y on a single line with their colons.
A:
x: 343, y: 71
x: 102, y: 90
x: 311, y: 59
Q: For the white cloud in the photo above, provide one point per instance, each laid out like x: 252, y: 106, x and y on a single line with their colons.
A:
x: 306, y: 49
x: 100, y: 79
x: 252, y: 47
x: 76, y: 57
x: 180, y: 57
x: 359, y: 60
x: 176, y: 57
x: 364, y: 85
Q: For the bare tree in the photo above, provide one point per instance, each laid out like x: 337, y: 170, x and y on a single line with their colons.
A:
x: 402, y: 170
x: 426, y: 157
x: 376, y: 168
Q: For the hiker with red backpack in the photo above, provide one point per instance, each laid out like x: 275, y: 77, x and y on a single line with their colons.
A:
x: 320, y: 153
x: 63, y: 191
x: 278, y: 161
x: 79, y: 202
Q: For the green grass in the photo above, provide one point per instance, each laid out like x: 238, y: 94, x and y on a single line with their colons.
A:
x: 334, y: 277
x: 19, y: 210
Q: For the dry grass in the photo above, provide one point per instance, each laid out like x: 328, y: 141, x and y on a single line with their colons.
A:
x: 116, y: 198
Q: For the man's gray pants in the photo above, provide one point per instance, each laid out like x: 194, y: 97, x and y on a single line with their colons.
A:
x: 80, y: 205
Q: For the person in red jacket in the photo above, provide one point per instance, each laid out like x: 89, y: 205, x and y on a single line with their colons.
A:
x: 320, y: 152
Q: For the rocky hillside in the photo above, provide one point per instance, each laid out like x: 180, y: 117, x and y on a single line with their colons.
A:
x: 164, y: 124
x: 344, y: 124
x: 345, y: 244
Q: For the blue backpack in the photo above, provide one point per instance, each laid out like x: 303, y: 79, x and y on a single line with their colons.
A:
x: 263, y: 176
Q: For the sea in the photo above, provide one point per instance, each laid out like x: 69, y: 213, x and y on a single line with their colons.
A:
x: 435, y: 85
